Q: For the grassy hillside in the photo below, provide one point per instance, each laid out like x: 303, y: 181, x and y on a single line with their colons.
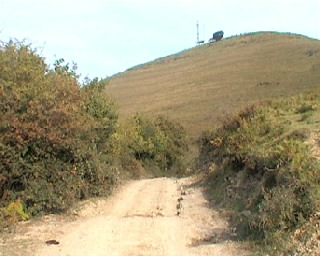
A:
x: 200, y: 85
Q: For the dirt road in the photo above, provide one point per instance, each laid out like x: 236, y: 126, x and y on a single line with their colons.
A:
x: 147, y: 217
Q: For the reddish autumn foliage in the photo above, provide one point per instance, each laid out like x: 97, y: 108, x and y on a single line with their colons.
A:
x: 52, y: 133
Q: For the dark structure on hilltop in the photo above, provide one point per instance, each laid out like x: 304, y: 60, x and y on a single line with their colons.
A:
x: 217, y: 36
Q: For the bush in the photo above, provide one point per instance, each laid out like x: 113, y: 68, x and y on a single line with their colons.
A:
x: 54, y: 133
x: 265, y: 169
x: 60, y: 140
x: 159, y: 144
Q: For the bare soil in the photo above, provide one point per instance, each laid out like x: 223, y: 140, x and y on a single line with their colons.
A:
x: 146, y: 217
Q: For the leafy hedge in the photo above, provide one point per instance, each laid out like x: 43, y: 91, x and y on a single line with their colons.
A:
x: 159, y: 144
x: 60, y: 140
x: 264, y: 169
x: 52, y: 133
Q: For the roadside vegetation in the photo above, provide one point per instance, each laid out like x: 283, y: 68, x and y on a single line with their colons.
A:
x: 150, y: 146
x: 262, y: 165
x: 61, y: 141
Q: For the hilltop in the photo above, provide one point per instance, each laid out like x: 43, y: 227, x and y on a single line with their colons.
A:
x: 198, y: 86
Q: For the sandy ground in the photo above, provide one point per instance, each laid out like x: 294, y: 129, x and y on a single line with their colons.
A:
x: 142, y: 217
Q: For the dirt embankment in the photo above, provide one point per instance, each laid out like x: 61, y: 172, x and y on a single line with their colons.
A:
x: 146, y: 217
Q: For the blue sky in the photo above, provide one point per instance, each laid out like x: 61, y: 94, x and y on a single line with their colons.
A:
x: 110, y: 36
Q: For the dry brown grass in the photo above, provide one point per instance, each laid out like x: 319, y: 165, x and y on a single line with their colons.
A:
x: 200, y: 85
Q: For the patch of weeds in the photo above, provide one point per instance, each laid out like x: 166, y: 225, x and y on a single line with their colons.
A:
x: 11, y: 214
x: 311, y: 52
x: 301, y: 134
x: 305, y: 116
x: 305, y: 107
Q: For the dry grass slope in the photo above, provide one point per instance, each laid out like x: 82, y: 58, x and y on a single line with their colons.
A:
x: 198, y: 86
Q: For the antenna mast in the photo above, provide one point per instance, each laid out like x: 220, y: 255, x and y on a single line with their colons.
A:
x: 197, y: 33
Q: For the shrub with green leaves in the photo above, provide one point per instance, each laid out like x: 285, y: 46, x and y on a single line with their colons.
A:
x: 265, y: 170
x: 54, y: 133
x: 60, y: 140
x: 176, y: 145
x: 158, y: 143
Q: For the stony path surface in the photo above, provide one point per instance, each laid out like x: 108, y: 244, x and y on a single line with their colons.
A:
x: 146, y: 217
